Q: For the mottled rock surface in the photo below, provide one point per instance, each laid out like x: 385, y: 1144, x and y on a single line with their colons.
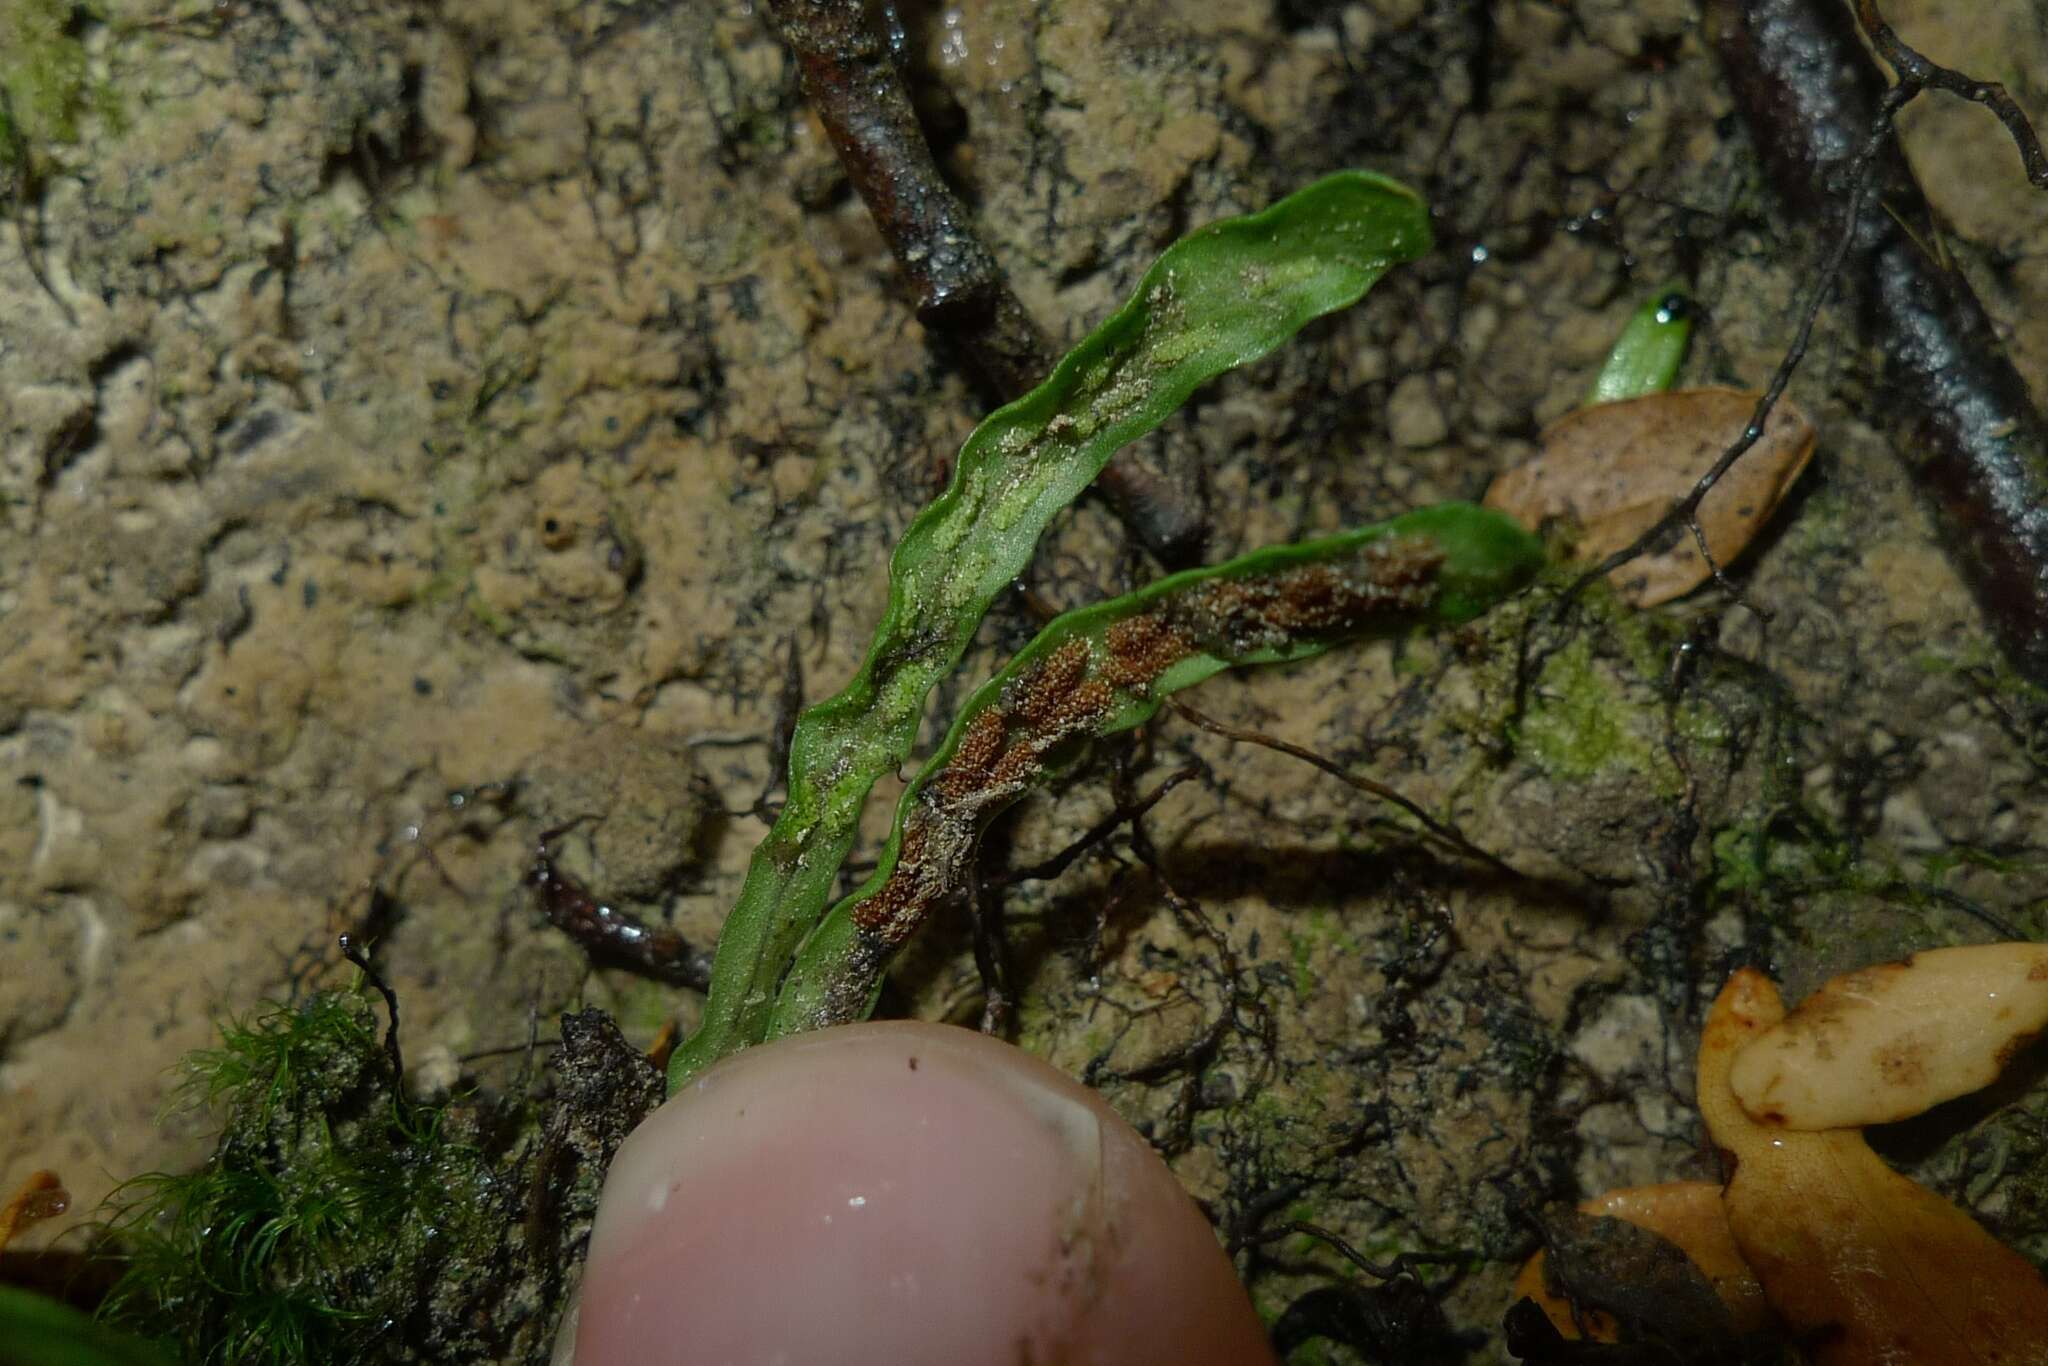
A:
x: 399, y: 401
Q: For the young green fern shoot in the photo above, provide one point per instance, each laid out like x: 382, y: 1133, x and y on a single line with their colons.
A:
x: 1225, y: 295
x: 1106, y: 668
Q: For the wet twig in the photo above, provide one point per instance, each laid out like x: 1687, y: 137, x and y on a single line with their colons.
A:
x: 851, y: 79
x: 610, y: 934
x: 1918, y: 73
x: 1974, y: 441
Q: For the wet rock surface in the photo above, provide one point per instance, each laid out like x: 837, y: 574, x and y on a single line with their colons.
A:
x: 403, y: 402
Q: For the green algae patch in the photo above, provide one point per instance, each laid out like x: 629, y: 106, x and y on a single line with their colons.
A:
x: 1321, y: 937
x: 46, y: 89
x: 1578, y: 723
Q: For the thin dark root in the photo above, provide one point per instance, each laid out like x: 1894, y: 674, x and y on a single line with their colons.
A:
x: 1242, y: 1010
x: 1053, y: 867
x: 1917, y: 72
x: 1449, y: 834
x: 1402, y: 1264
x: 985, y: 904
x: 352, y: 949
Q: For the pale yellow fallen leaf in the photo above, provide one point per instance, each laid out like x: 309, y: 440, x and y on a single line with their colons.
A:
x: 1613, y: 469
x: 1864, y: 1266
x: 1886, y: 1042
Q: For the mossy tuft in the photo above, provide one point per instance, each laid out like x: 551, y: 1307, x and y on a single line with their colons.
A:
x: 330, y: 1203
x: 340, y: 1220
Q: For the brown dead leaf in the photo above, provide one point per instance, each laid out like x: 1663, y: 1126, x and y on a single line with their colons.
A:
x: 1684, y: 1213
x: 41, y: 1197
x: 1688, y: 1213
x: 1886, y: 1042
x: 1632, y: 1287
x: 1613, y: 469
x: 1865, y: 1266
x: 1532, y: 1283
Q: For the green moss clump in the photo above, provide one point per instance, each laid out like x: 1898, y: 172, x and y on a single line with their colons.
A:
x: 1577, y: 723
x: 340, y: 1222
x: 329, y: 1208
x: 44, y: 86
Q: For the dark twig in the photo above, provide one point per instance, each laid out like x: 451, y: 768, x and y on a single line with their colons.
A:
x: 1918, y: 73
x: 610, y: 934
x: 1447, y: 833
x: 851, y: 80
x: 1973, y: 439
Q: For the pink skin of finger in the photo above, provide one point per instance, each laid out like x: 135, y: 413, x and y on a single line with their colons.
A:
x: 901, y: 1193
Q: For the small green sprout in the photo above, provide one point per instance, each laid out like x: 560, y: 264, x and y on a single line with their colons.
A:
x: 1647, y: 354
